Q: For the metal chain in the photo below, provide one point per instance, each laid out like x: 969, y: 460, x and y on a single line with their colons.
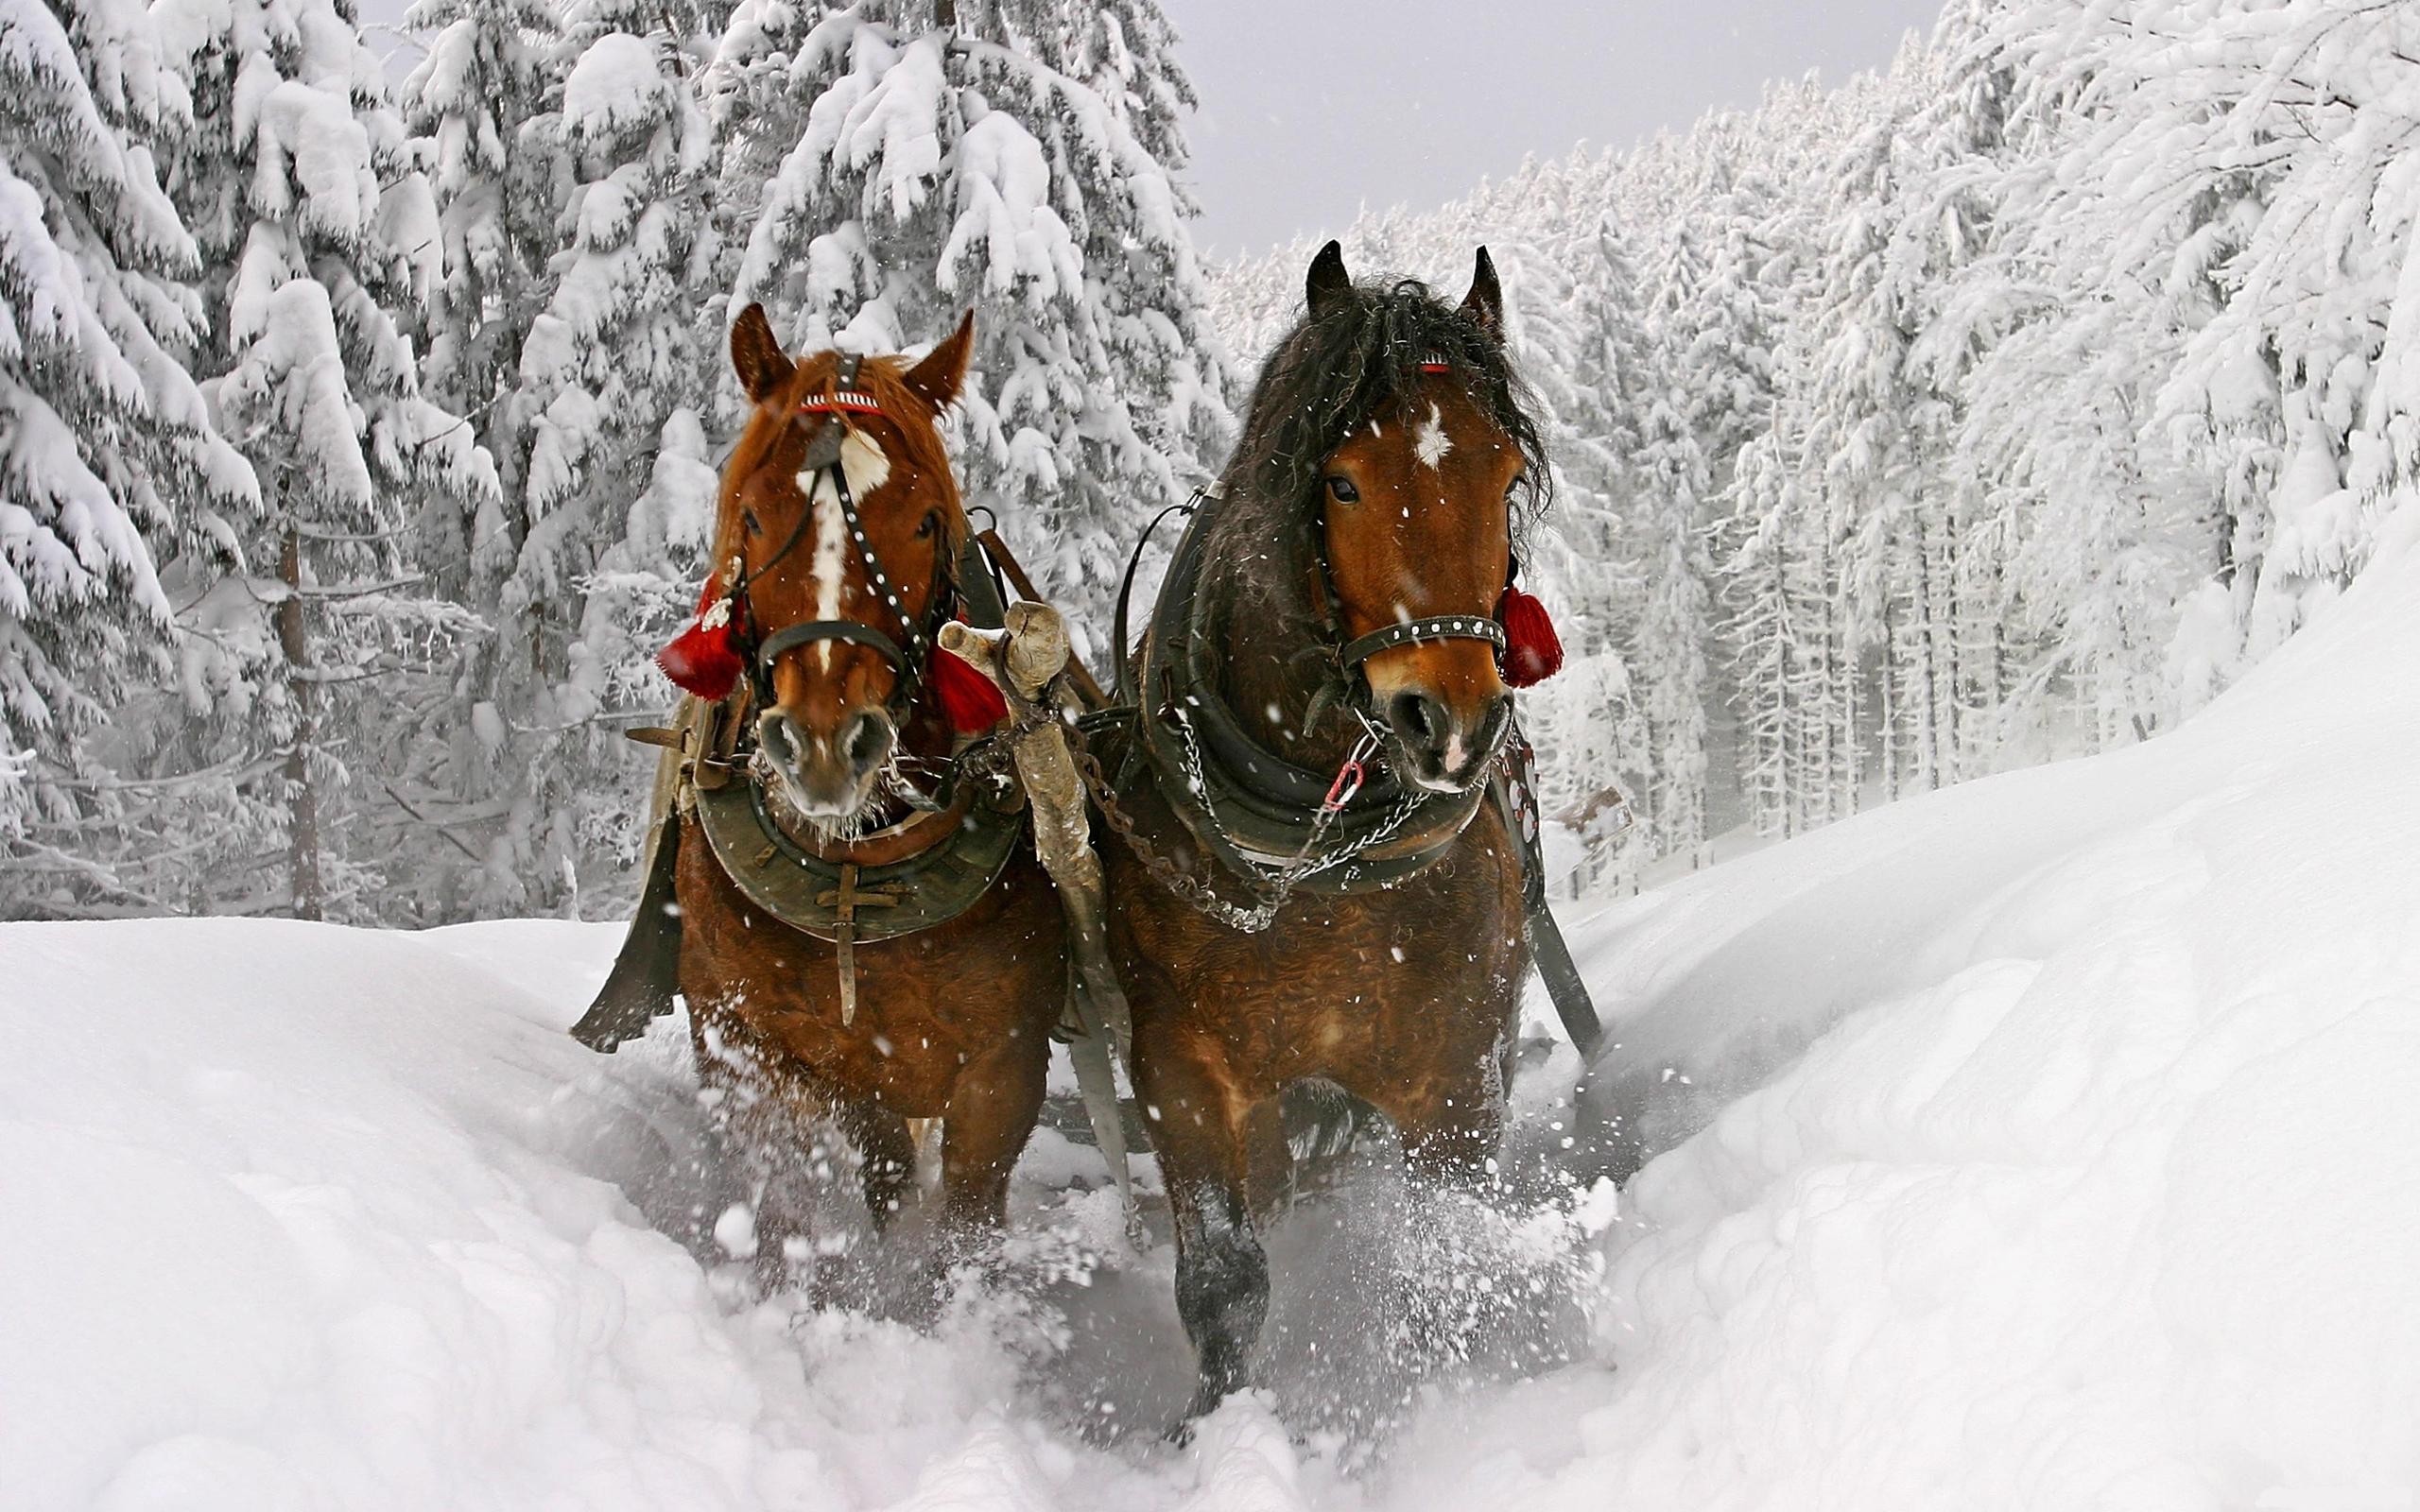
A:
x: 1268, y: 897
x: 1173, y: 877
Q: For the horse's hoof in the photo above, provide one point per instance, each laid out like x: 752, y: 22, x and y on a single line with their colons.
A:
x: 1206, y: 1399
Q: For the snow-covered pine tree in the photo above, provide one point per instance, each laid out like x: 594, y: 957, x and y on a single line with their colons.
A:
x: 483, y: 100
x: 1792, y: 688
x: 1599, y: 440
x: 1668, y: 641
x: 2237, y: 239
x: 618, y: 492
x: 936, y: 156
x: 1762, y: 646
x: 316, y: 230
x: 110, y: 458
x: 1873, y: 439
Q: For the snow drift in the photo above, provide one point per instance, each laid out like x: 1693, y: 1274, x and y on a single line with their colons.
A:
x: 2047, y: 1143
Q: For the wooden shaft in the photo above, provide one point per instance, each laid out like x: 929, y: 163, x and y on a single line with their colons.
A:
x: 1086, y: 689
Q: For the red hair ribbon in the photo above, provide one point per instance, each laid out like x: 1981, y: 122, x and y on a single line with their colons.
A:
x: 1533, y: 652
x: 704, y: 659
x: 968, y: 699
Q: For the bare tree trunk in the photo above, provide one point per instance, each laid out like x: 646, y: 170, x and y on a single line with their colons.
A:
x: 302, y: 799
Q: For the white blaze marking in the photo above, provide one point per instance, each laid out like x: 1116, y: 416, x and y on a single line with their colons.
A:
x: 867, y: 469
x: 1430, y: 442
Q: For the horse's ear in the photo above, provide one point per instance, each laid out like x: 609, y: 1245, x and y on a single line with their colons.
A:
x: 1485, y: 301
x: 1329, y: 281
x: 940, y: 377
x: 756, y: 356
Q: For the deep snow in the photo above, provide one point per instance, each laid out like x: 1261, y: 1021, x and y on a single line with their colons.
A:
x: 2048, y: 1142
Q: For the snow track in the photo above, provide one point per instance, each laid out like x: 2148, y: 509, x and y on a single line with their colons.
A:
x: 2050, y: 1142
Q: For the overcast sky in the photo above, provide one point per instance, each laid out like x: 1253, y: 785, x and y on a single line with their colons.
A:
x: 1311, y: 108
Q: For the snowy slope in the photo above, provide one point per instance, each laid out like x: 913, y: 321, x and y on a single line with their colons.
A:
x: 2048, y: 1142
x: 2056, y: 1141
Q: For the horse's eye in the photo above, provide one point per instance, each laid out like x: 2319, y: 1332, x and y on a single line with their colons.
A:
x: 925, y: 526
x: 1514, y: 487
x: 1340, y: 489
x: 748, y: 518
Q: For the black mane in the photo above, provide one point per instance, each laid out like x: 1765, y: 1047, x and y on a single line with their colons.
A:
x: 1339, y: 368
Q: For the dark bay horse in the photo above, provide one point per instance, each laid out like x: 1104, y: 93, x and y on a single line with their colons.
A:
x: 1311, y: 881
x: 854, y: 949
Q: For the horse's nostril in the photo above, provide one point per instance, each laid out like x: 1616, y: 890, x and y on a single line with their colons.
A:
x: 869, y: 740
x: 1418, y: 719
x: 779, y: 737
x: 1492, y: 729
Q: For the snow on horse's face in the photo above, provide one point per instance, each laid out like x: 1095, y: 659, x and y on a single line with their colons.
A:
x: 829, y: 736
x: 1413, y: 504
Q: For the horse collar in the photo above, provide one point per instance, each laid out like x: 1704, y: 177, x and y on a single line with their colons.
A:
x: 1252, y: 808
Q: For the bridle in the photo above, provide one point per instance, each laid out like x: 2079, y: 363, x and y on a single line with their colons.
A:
x: 908, y: 660
x: 1346, y: 686
x: 1351, y: 654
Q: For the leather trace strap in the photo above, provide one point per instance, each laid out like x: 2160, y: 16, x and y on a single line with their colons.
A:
x: 1435, y: 627
x: 1121, y: 649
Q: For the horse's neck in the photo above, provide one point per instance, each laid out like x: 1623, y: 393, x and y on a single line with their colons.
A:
x: 1263, y: 667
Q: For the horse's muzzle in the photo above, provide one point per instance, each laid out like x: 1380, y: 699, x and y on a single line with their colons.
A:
x: 827, y: 777
x: 1439, y: 748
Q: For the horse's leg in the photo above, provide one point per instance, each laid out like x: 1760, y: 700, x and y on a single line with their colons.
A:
x: 1454, y: 1147
x: 1212, y: 1137
x: 991, y: 1113
x: 769, y: 1114
x: 887, y: 1155
x: 1450, y: 1130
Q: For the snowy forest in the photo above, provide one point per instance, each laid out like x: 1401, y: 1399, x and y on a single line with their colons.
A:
x: 360, y: 423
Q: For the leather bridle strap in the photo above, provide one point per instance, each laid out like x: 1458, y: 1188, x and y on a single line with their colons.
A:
x: 1409, y: 632
x: 809, y: 632
x: 908, y: 659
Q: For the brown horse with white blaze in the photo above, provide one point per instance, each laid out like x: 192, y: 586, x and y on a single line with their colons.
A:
x: 806, y: 845
x: 1312, y: 881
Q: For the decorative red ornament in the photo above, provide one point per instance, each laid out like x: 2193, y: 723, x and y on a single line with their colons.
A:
x: 969, y: 701
x: 704, y: 659
x: 1533, y: 652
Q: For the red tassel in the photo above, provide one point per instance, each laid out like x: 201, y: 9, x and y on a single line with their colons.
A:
x: 704, y: 659
x: 969, y: 701
x: 1533, y: 652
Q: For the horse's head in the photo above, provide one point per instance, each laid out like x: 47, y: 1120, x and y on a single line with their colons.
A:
x: 1426, y: 450
x: 842, y: 603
